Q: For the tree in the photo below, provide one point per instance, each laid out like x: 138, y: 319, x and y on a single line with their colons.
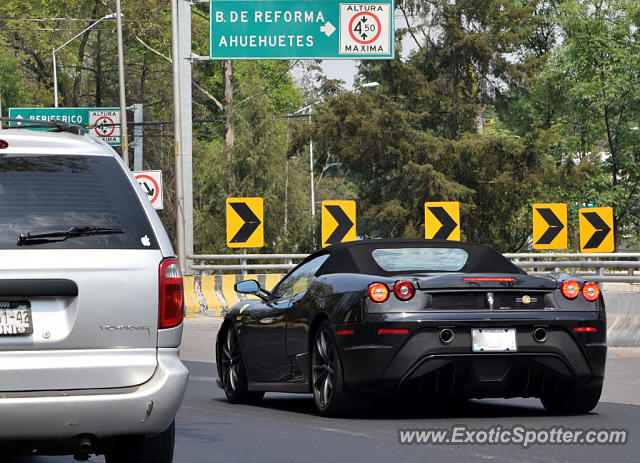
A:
x: 415, y: 138
x: 264, y: 93
x: 596, y: 71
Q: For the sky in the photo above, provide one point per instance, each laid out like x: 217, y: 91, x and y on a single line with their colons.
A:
x: 341, y: 69
x: 346, y: 69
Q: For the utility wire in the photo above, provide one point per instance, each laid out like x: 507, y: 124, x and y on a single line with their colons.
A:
x: 48, y: 29
x: 14, y: 18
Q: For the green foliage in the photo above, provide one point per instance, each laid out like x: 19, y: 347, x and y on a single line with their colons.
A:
x: 11, y: 89
x: 594, y: 81
x: 498, y: 104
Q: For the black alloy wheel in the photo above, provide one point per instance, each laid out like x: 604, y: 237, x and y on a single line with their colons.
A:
x: 329, y: 392
x: 234, y: 378
x: 324, y: 368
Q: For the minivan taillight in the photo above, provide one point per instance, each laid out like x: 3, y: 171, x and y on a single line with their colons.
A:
x: 171, y: 297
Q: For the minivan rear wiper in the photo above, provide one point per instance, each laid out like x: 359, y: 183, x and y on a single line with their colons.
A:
x: 73, y: 232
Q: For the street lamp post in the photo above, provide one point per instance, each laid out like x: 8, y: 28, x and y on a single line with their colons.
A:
x: 308, y: 110
x: 123, y: 102
x: 56, y: 50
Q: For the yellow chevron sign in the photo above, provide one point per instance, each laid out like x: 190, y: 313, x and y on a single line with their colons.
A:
x: 550, y: 226
x: 596, y: 229
x: 338, y: 222
x: 244, y: 223
x: 442, y: 221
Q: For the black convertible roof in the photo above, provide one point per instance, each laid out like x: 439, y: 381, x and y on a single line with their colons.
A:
x: 355, y: 256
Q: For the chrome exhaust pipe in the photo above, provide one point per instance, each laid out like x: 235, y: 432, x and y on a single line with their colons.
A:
x: 446, y: 335
x: 540, y: 334
x: 85, y: 446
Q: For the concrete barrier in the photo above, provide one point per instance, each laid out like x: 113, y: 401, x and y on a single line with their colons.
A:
x: 213, y: 295
x: 622, y: 302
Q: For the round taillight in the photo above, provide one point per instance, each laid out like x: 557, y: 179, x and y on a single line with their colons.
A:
x: 403, y: 290
x: 3, y: 144
x: 570, y: 289
x: 590, y: 291
x: 378, y: 292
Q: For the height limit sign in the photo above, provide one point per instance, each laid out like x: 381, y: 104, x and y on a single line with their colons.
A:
x: 364, y: 28
x: 105, y: 123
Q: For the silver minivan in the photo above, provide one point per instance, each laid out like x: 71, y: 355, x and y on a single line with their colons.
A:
x: 91, y: 304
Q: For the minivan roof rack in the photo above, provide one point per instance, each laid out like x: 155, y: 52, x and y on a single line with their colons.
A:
x: 53, y: 125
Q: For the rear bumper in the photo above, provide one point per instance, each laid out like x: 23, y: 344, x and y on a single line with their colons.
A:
x: 145, y: 409
x: 418, y: 363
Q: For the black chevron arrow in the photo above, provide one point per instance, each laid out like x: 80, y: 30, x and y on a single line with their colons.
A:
x: 251, y: 222
x: 555, y: 226
x: 150, y: 191
x: 344, y: 224
x: 602, y: 230
x: 448, y: 224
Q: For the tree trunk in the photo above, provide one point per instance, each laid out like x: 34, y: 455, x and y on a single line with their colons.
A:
x: 98, y: 74
x: 229, y: 134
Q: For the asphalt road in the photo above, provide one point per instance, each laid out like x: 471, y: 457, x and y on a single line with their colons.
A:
x: 286, y: 428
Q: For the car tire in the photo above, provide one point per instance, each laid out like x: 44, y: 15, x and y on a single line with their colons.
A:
x: 234, y: 376
x: 141, y: 449
x: 573, y: 402
x: 331, y: 396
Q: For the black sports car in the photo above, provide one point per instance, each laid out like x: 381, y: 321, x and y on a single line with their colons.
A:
x: 415, y: 319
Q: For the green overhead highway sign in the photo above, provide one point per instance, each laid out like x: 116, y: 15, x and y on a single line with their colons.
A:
x: 301, y: 29
x: 104, y: 122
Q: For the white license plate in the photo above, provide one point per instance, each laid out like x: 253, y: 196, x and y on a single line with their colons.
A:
x: 15, y: 318
x: 494, y: 340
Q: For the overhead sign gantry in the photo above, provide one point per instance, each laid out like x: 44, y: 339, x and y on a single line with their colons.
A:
x: 300, y: 29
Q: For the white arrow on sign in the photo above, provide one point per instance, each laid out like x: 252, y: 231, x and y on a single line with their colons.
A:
x: 328, y: 28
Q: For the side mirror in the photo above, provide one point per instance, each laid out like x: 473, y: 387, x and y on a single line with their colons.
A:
x: 248, y: 287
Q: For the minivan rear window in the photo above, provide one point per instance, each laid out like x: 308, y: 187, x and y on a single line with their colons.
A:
x: 49, y: 194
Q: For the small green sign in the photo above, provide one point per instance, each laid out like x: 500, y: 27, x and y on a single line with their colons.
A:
x: 299, y: 29
x: 103, y: 122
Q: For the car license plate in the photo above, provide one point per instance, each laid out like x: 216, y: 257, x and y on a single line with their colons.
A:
x: 15, y: 318
x: 494, y: 340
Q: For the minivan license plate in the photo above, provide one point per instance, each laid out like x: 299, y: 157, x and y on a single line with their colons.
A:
x: 15, y: 318
x: 494, y: 340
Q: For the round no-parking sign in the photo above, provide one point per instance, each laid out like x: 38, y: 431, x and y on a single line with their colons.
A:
x: 365, y: 28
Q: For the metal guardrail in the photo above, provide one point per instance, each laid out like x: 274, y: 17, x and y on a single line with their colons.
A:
x: 599, y: 267
x: 604, y: 267
x: 290, y: 261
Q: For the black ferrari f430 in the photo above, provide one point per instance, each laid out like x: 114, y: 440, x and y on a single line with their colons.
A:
x: 415, y: 319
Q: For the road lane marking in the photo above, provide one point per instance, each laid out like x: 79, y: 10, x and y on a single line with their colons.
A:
x: 204, y: 379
